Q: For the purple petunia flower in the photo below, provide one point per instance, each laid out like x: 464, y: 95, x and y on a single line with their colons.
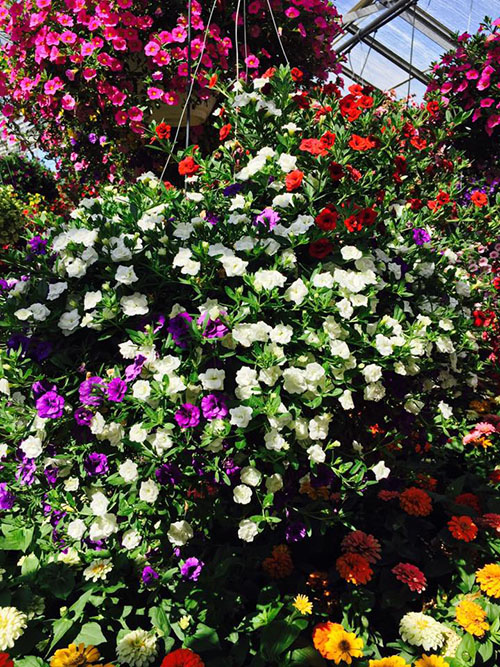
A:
x: 92, y: 138
x: 50, y: 405
x: 214, y: 406
x: 212, y: 328
x: 51, y: 473
x: 168, y: 473
x: 149, y: 576
x: 25, y: 473
x: 134, y: 370
x: 191, y: 569
x: 96, y: 464
x: 83, y: 417
x: 37, y: 245
x: 116, y: 390
x: 87, y: 391
x: 187, y: 416
x: 7, y: 499
x: 232, y: 189
x: 295, y: 531
x: 268, y: 218
x: 179, y: 328
x: 212, y: 219
x: 421, y: 236
x: 41, y: 387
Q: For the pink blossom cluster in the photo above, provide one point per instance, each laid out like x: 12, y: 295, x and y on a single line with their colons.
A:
x: 110, y: 62
x: 470, y: 75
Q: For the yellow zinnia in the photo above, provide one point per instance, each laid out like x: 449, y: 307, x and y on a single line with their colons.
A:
x: 392, y: 661
x: 342, y: 645
x: 472, y: 618
x: 303, y: 604
x: 489, y: 579
x: 432, y: 661
x: 76, y: 656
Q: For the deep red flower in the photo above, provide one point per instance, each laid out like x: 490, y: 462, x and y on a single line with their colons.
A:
x: 483, y: 318
x: 327, y: 219
x: 400, y: 163
x: 320, y: 249
x: 328, y: 139
x: 163, y: 131
x: 353, y: 224
x: 411, y: 576
x: 366, y: 216
x: 358, y: 143
x: 224, y: 131
x: 469, y: 500
x: 293, y: 180
x: 336, y: 171
x: 297, y: 74
x: 462, y: 528
x: 188, y: 166
x: 182, y: 657
x: 302, y: 100
x: 5, y: 660
x: 415, y: 204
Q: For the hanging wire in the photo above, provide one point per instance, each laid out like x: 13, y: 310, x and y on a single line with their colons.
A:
x: 368, y: 54
x: 277, y: 32
x: 188, y: 116
x: 411, y: 56
x: 188, y: 96
x: 237, y: 52
x: 470, y: 14
x: 245, y: 43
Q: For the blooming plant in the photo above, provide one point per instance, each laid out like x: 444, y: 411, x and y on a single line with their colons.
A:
x: 233, y: 413
x: 89, y: 75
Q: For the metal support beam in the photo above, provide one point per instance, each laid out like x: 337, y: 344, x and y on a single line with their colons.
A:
x: 357, y: 78
x: 426, y: 24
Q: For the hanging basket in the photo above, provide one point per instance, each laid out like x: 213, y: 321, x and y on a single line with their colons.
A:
x: 171, y: 115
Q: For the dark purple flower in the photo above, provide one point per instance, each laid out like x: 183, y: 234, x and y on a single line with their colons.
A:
x: 37, y: 245
x: 7, y: 499
x: 168, y: 473
x: 230, y: 468
x: 96, y: 464
x: 421, y: 236
x: 295, y: 531
x: 214, y: 406
x: 25, y: 473
x: 50, y: 405
x: 87, y: 392
x: 212, y: 218
x: 83, y: 417
x: 149, y: 576
x: 134, y: 370
x: 232, y: 189
x: 192, y: 568
x: 39, y: 350
x: 179, y: 328
x: 268, y: 218
x: 116, y: 390
x: 51, y: 474
x: 212, y: 328
x: 187, y: 416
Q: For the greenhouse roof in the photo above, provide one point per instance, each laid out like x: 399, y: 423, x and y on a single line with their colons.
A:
x: 392, y: 43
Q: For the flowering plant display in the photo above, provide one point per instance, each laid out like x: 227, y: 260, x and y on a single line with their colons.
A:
x: 70, y: 67
x: 469, y: 77
x: 235, y: 414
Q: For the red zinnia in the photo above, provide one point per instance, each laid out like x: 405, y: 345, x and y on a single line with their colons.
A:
x: 354, y: 568
x: 293, y: 180
x: 224, y: 131
x: 182, y: 657
x: 470, y: 500
x: 297, y: 74
x: 411, y: 576
x: 5, y: 660
x: 462, y: 528
x: 479, y: 199
x: 415, y: 502
x: 163, y: 131
x: 320, y: 249
x: 188, y: 166
x: 327, y: 219
x: 336, y: 171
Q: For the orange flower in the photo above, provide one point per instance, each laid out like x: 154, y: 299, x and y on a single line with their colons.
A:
x: 188, y: 166
x: 354, y: 568
x: 471, y: 617
x: 415, y: 502
x: 279, y: 565
x: 489, y: 579
x: 479, y: 199
x: 462, y: 528
x: 322, y: 633
x: 224, y: 131
x: 293, y: 180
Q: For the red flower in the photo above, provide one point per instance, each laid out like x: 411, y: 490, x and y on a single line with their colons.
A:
x: 358, y: 143
x: 336, y: 171
x: 411, y: 576
x: 302, y: 100
x: 327, y: 219
x: 443, y: 197
x: 469, y: 500
x: 415, y: 502
x: 400, y: 163
x: 163, y: 131
x: 297, y: 74
x: 353, y: 224
x: 313, y: 146
x: 293, y: 180
x: 496, y: 283
x: 188, y: 166
x: 5, y: 660
x: 479, y: 199
x: 415, y: 204
x: 418, y: 142
x: 365, y: 102
x: 483, y: 318
x: 320, y: 249
x: 182, y: 657
x: 462, y: 528
x: 432, y: 108
x: 269, y: 73
x: 356, y: 89
x: 366, y: 216
x: 224, y: 131
x: 213, y: 80
x: 328, y: 139
x: 354, y: 173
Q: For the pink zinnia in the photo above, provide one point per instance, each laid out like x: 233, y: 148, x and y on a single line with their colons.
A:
x: 411, y: 576
x: 484, y: 427
x: 363, y: 544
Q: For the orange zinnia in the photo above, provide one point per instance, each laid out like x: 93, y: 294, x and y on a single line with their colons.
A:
x: 415, y: 502
x: 279, y: 565
x: 322, y: 633
x: 354, y: 568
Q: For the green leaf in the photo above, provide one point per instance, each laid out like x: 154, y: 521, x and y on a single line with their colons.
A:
x: 60, y: 628
x: 90, y: 634
x: 16, y: 539
x: 79, y: 605
x: 307, y: 656
x: 204, y: 639
x: 277, y: 637
x: 467, y: 650
x: 29, y: 661
x: 159, y: 620
x: 486, y: 651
